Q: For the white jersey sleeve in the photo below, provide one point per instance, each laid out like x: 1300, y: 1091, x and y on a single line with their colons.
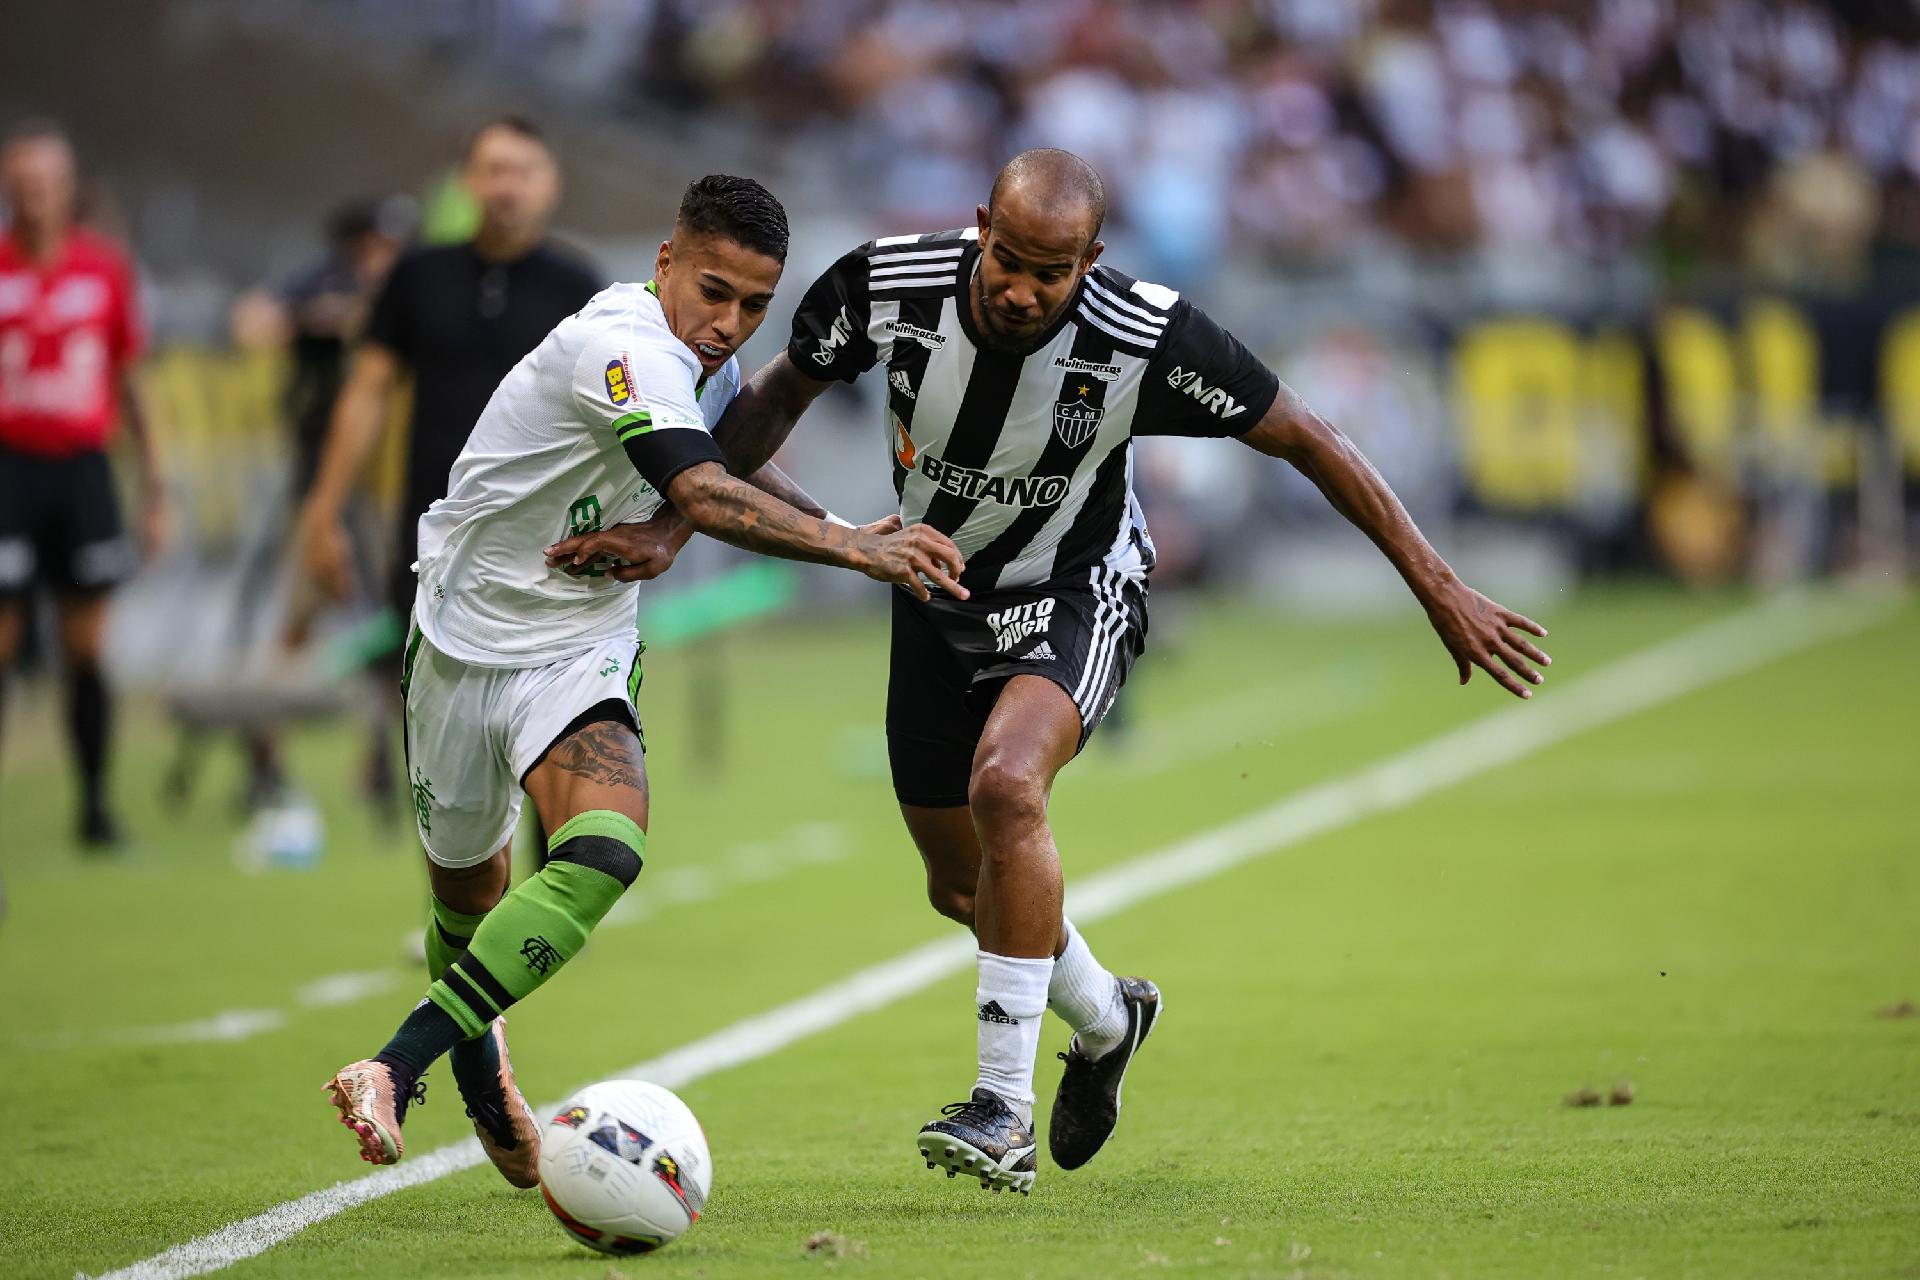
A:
x: 641, y: 388
x: 609, y: 392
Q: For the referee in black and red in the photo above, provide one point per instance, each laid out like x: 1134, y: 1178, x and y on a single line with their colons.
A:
x: 69, y: 334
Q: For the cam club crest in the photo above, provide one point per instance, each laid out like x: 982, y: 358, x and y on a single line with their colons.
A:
x: 1075, y: 423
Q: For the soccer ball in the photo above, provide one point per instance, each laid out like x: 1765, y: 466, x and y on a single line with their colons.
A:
x: 624, y: 1166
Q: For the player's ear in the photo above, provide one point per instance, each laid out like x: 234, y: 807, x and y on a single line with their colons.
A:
x: 1091, y: 256
x: 663, y: 261
x: 983, y: 219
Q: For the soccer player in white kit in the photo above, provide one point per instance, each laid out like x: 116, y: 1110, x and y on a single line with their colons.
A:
x: 521, y: 666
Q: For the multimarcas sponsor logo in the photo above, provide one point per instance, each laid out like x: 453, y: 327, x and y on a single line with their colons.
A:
x: 980, y: 486
x: 1093, y: 368
x: 932, y: 339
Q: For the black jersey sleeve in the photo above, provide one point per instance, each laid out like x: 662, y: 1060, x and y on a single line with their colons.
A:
x: 1202, y: 382
x: 830, y: 339
x: 390, y: 320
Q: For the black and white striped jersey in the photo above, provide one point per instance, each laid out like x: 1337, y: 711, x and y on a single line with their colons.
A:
x: 1025, y: 461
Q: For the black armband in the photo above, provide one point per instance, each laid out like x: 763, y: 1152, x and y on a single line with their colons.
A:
x: 659, y: 456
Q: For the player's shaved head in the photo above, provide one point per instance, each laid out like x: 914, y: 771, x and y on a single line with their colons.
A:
x: 1056, y: 184
x: 1039, y: 235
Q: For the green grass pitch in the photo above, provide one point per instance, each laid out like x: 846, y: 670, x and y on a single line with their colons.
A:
x: 1369, y: 1034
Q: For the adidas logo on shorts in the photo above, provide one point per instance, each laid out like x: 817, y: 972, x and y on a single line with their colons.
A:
x: 1042, y: 652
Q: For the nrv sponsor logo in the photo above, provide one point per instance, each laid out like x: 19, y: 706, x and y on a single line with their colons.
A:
x: 979, y: 486
x: 1212, y: 398
x: 836, y: 338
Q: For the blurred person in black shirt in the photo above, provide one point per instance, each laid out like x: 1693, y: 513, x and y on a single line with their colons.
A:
x: 326, y: 307
x: 457, y: 318
x: 315, y: 315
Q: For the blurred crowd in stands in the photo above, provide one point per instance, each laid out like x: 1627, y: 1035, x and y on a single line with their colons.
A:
x: 1779, y: 138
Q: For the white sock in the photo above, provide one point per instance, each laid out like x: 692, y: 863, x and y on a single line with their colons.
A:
x: 1012, y: 998
x: 1087, y: 996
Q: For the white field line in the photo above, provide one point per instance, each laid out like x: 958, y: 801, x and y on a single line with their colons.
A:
x: 807, y: 844
x: 345, y: 988
x: 229, y: 1024
x: 1716, y: 651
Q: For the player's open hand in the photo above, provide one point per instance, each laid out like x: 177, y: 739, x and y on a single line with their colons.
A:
x: 1480, y: 633
x: 638, y: 552
x: 914, y: 556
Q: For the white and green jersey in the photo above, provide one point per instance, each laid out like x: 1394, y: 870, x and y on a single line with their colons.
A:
x: 584, y: 433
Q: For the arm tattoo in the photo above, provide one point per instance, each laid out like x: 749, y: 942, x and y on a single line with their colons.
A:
x: 605, y: 753
x: 739, y: 514
x: 772, y: 480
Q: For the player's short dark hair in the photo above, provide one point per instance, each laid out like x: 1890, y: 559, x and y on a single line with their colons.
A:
x: 1062, y: 177
x: 738, y: 209
x: 523, y: 126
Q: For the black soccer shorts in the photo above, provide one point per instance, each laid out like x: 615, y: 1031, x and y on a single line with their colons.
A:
x: 60, y: 524
x: 950, y: 659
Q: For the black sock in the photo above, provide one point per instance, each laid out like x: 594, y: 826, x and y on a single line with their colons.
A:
x: 428, y: 1032
x: 476, y: 1062
x: 88, y: 716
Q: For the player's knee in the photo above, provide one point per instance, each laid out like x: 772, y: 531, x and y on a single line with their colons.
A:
x: 1004, y: 794
x: 82, y: 655
x: 602, y: 840
x: 471, y: 890
x: 951, y: 901
x: 81, y: 629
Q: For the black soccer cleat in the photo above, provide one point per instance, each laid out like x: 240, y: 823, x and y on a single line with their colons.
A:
x: 984, y: 1139
x: 1087, y: 1107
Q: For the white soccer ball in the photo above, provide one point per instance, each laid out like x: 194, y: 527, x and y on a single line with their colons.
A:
x: 624, y: 1166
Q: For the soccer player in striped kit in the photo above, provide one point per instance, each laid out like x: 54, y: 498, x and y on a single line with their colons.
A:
x: 1019, y: 369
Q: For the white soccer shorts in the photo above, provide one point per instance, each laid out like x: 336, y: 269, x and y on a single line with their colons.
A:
x: 474, y: 732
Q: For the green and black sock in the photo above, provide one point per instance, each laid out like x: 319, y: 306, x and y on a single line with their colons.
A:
x: 540, y: 925
x: 476, y: 1061
x: 449, y: 932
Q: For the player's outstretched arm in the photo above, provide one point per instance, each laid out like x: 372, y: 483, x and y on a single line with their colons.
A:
x: 750, y: 432
x: 1477, y: 631
x: 735, y: 512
